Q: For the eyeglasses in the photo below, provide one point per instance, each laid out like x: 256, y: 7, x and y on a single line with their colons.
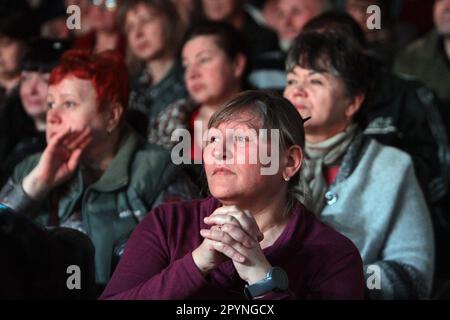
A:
x: 105, y: 4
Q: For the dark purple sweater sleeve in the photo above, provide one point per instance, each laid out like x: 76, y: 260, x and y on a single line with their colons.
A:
x: 341, y: 278
x: 145, y: 270
x: 332, y: 269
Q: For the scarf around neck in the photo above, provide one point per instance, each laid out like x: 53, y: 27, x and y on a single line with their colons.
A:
x: 319, y: 157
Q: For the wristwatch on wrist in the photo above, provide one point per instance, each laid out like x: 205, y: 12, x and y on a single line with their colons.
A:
x: 275, y: 280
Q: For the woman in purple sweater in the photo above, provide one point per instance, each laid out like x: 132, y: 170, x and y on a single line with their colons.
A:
x: 250, y: 239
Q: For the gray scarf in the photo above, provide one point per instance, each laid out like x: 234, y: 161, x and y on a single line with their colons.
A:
x: 319, y: 156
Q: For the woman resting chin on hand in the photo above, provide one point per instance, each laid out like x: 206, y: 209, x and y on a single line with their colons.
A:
x: 96, y: 174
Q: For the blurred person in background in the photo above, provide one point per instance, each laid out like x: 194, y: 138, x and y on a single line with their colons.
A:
x: 152, y: 28
x: 96, y: 174
x: 214, y: 60
x: 289, y: 18
x: 105, y: 33
x: 428, y: 58
x: 15, y: 31
x: 391, y: 36
x: 260, y: 40
x: 292, y: 15
x: 42, y: 55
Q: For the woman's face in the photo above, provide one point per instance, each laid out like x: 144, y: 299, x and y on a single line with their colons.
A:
x: 232, y: 177
x: 146, y: 32
x: 33, y: 93
x: 210, y: 76
x: 320, y: 96
x: 72, y: 103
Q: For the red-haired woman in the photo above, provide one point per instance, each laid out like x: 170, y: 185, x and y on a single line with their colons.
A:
x: 96, y: 174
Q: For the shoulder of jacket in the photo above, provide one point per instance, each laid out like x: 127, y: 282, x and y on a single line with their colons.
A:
x: 415, y: 49
x: 389, y: 157
x: 151, y: 154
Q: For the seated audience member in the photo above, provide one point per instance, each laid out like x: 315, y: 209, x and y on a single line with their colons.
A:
x: 227, y: 245
x: 214, y: 61
x: 152, y: 28
x: 42, y: 55
x: 428, y: 58
x: 291, y: 15
x: 35, y: 260
x: 367, y: 191
x: 14, y: 35
x: 263, y: 12
x: 405, y: 114
x: 105, y: 34
x: 402, y: 114
x: 392, y: 35
x: 259, y: 39
x: 96, y: 174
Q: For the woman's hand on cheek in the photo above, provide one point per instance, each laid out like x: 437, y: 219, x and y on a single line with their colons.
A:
x: 58, y: 162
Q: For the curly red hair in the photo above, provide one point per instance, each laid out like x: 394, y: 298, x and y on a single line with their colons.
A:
x: 106, y: 70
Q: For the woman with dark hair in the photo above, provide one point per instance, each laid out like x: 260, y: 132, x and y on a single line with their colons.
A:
x: 366, y: 191
x: 42, y: 55
x: 215, y: 60
x: 153, y: 32
x: 404, y: 113
x: 15, y: 31
x: 250, y: 238
x: 96, y: 174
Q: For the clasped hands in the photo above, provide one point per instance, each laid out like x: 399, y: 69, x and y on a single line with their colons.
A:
x: 233, y: 235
